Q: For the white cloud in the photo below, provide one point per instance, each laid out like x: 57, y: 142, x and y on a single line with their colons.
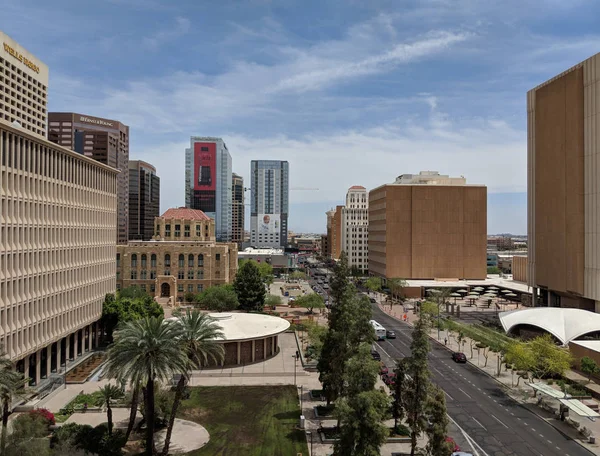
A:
x: 167, y: 34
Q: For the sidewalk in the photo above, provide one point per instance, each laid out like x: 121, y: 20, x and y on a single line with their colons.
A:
x: 508, y: 380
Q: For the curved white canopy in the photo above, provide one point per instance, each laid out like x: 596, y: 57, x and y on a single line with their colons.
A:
x: 564, y: 324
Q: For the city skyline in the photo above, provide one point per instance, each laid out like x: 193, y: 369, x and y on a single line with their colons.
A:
x: 421, y: 87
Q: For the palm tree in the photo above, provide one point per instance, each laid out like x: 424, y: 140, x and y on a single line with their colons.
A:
x: 11, y: 382
x: 135, y: 395
x: 396, y: 285
x: 199, y: 343
x: 146, y: 351
x: 110, y: 393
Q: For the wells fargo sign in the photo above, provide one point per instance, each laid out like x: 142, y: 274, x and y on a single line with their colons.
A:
x: 21, y: 58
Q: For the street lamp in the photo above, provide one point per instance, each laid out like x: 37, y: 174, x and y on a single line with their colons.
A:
x: 296, y: 356
x: 311, y: 441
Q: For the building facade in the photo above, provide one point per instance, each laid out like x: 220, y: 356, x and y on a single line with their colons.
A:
x: 104, y: 140
x: 334, y: 233
x: 57, y: 251
x: 269, y: 203
x: 355, y: 227
x: 237, y: 209
x: 563, y: 150
x: 428, y: 231
x: 23, y: 87
x: 144, y: 200
x: 208, y: 182
x: 183, y: 257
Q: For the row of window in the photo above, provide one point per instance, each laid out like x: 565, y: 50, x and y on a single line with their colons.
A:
x: 191, y: 275
x: 167, y: 260
x: 190, y: 288
x: 186, y: 230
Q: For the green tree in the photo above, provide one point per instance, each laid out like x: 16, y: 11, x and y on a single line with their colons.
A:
x: 132, y: 292
x: 11, y: 384
x: 147, y: 351
x: 374, y: 284
x: 438, y: 430
x: 27, y: 436
x: 588, y: 367
x: 550, y: 359
x: 493, y: 270
x: 361, y: 371
x: 418, y: 386
x: 249, y: 287
x: 399, y: 390
x: 362, y: 427
x: 199, y: 343
x: 310, y: 302
x: 341, y: 288
x: 298, y: 275
x: 396, y: 286
x: 273, y: 300
x: 219, y: 298
x: 265, y: 270
x: 135, y: 399
x: 110, y: 393
x: 520, y: 357
x: 125, y: 308
x: 189, y: 296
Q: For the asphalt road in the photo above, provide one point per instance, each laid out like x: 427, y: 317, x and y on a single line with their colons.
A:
x: 489, y: 421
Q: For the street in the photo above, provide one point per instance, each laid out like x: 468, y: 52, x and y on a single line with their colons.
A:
x: 490, y: 421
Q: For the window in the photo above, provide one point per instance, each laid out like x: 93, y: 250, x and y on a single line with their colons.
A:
x: 181, y: 260
x: 118, y: 260
x: 143, y: 287
x: 177, y: 230
x: 199, y: 288
x: 167, y: 260
x: 118, y: 275
x: 180, y: 275
x: 152, y: 288
x: 218, y: 257
x: 200, y: 260
x: 203, y: 149
x: 186, y: 231
x: 190, y: 288
x: 180, y: 288
x: 198, y: 230
x: 167, y: 230
x: 190, y: 274
x: 152, y: 275
x: 153, y: 261
x: 143, y: 275
x: 200, y: 274
x: 190, y: 261
x: 144, y: 261
x: 133, y: 275
x: 134, y: 261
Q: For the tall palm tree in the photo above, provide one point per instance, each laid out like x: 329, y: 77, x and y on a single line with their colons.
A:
x: 199, y: 343
x: 146, y: 351
x: 11, y: 382
x: 110, y: 393
x: 135, y: 396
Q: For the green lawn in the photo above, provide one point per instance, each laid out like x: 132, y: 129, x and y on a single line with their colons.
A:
x: 247, y: 420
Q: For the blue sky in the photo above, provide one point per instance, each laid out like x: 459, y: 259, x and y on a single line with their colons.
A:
x: 349, y: 92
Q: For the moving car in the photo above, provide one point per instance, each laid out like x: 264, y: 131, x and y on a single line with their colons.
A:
x: 390, y: 334
x: 459, y: 357
x: 375, y: 354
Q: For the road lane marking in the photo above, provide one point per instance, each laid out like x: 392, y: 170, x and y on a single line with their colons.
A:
x: 479, y: 423
x: 476, y: 448
x: 499, y: 421
x: 466, y: 394
x: 451, y: 398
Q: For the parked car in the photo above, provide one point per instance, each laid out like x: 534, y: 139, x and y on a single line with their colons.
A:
x: 373, y: 300
x: 451, y: 440
x: 383, y: 370
x: 459, y: 357
x: 389, y: 379
x: 390, y: 334
x: 375, y: 354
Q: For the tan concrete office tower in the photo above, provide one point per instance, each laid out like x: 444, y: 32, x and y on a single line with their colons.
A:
x: 104, y: 140
x: 334, y: 233
x: 355, y: 227
x: 57, y: 251
x: 23, y: 87
x: 563, y: 159
x: 428, y: 226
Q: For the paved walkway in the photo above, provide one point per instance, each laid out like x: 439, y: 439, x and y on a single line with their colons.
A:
x: 67, y: 394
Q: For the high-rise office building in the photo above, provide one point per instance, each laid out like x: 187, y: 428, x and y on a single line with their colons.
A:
x: 428, y: 226
x: 563, y: 152
x: 23, y: 87
x: 270, y: 202
x: 144, y: 200
x: 334, y: 233
x: 208, y: 183
x: 237, y: 212
x: 104, y: 140
x: 355, y: 227
x: 57, y: 251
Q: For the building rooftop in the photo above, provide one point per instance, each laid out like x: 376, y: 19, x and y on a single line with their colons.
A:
x: 185, y: 213
x: 357, y: 187
x: 508, y: 284
x: 265, y: 251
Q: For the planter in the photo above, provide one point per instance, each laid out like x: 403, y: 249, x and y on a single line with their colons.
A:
x: 317, y: 395
x: 326, y: 412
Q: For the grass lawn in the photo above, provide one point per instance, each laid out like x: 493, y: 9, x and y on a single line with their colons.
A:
x: 246, y: 420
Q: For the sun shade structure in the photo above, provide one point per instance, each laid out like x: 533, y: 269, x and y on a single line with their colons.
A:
x: 564, y: 324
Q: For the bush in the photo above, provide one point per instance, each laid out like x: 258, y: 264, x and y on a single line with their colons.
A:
x: 401, y: 429
x: 45, y: 414
x: 92, y: 440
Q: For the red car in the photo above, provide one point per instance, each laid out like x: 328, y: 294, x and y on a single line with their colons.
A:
x: 389, y: 379
x: 459, y: 357
x: 383, y: 370
x: 451, y: 440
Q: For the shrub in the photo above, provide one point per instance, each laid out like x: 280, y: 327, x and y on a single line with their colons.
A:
x: 45, y: 414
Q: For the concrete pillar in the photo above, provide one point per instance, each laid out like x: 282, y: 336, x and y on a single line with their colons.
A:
x: 253, y: 350
x: 48, y: 360
x: 239, y: 353
x: 58, y: 355
x: 26, y: 366
x: 67, y: 349
x: 458, y: 311
x: 75, y: 344
x: 38, y: 367
x: 90, y: 338
x: 265, y: 348
x: 97, y: 333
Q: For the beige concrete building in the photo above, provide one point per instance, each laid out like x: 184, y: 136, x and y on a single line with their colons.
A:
x: 428, y: 230
x: 183, y: 257
x: 23, y: 87
x: 519, y: 268
x: 563, y: 156
x: 57, y: 251
x: 355, y: 227
x: 334, y: 233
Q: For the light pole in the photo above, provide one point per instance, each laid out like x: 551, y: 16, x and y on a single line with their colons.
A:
x: 311, y: 441
x: 296, y: 356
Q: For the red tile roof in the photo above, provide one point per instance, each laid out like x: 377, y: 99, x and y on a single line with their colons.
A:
x: 357, y: 187
x: 185, y: 213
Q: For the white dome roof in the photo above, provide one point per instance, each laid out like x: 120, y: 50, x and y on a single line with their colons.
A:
x: 563, y: 323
